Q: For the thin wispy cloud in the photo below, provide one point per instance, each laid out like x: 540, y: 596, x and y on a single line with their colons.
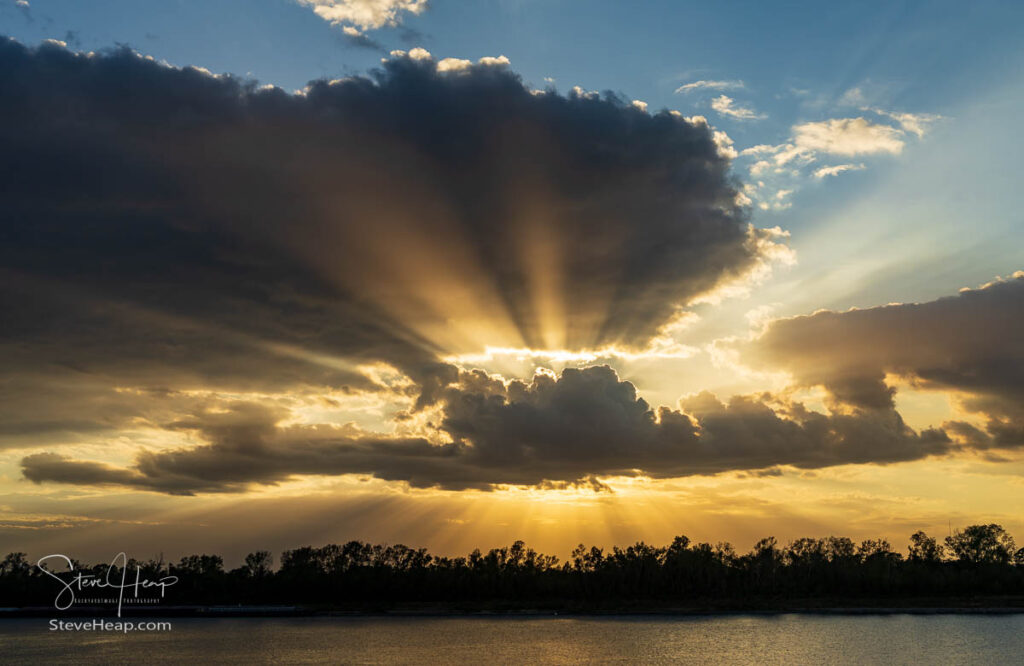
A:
x: 709, y: 85
x: 871, y: 98
x: 915, y: 123
x: 782, y: 167
x: 836, y: 136
x: 824, y: 172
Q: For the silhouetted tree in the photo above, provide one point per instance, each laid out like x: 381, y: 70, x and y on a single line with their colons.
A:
x: 982, y: 544
x: 258, y: 564
x: 14, y: 564
x: 924, y: 548
x: 363, y: 575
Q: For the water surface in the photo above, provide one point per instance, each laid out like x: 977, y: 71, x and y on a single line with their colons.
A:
x: 740, y: 639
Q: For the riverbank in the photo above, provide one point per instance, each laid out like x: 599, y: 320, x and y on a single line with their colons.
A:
x: 912, y: 606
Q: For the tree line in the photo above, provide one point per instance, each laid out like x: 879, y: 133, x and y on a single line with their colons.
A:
x: 977, y: 560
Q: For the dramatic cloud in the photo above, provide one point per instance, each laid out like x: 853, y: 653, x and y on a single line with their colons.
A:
x: 971, y: 344
x: 199, y: 258
x: 365, y: 14
x: 166, y: 229
x: 566, y: 429
x: 727, y: 107
x: 709, y: 85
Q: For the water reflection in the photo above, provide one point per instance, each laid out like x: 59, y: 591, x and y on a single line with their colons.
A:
x: 895, y: 639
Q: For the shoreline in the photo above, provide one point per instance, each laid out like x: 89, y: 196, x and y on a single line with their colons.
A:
x: 986, y: 607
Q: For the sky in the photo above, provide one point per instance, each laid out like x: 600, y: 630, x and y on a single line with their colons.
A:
x: 452, y: 274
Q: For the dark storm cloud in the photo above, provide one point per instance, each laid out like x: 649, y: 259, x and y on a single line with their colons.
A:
x: 550, y: 432
x: 590, y: 422
x: 165, y: 232
x: 971, y: 343
x: 246, y: 446
x: 163, y: 227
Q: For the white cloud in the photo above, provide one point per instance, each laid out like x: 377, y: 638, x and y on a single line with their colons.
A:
x: 809, y: 141
x: 847, y: 136
x: 725, y: 145
x: 787, y: 152
x: 775, y: 205
x: 640, y: 104
x: 22, y: 3
x: 723, y: 141
x: 491, y: 61
x: 759, y: 167
x: 459, y: 64
x: 777, y: 202
x: 365, y: 14
x: 777, y: 156
x: 417, y: 53
x: 759, y: 149
x: 783, y: 163
x: 726, y: 106
x: 815, y: 150
x: 836, y: 170
x: 915, y: 123
x: 586, y: 94
x: 709, y: 85
x: 836, y: 136
x: 453, y: 65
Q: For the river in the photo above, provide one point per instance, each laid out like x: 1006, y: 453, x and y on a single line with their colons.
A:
x: 730, y: 639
